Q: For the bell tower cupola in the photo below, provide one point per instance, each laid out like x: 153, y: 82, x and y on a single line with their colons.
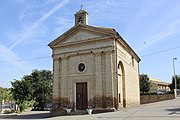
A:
x: 81, y: 17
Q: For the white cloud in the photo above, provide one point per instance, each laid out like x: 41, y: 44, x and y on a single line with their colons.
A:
x: 38, y: 22
x: 63, y: 24
x: 98, y: 7
x: 154, y: 39
x: 29, y: 32
x: 168, y: 30
x: 157, y: 24
x: 7, y: 55
x: 34, y: 37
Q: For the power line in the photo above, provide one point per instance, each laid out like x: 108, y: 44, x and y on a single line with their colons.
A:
x: 45, y: 57
x: 162, y: 51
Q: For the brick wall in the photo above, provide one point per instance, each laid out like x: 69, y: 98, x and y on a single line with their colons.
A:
x: 144, y: 99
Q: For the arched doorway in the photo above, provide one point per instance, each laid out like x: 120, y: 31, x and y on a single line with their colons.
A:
x: 121, y: 84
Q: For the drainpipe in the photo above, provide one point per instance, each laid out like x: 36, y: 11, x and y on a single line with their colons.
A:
x: 139, y: 84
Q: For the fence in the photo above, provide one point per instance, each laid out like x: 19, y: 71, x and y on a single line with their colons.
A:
x: 144, y: 99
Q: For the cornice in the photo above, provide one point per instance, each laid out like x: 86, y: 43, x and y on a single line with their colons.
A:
x: 107, y: 49
x: 83, y: 41
x: 96, y: 30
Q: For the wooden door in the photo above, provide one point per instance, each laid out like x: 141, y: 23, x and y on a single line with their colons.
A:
x: 81, y: 96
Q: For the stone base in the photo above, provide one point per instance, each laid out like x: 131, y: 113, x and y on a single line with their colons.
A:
x: 58, y: 112
x: 61, y: 111
x: 102, y: 110
x: 105, y: 102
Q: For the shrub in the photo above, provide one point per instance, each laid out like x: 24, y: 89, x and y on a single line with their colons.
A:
x: 149, y: 93
x: 8, y: 111
x: 170, y: 92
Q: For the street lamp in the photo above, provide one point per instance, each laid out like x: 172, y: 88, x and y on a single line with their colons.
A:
x: 175, y: 84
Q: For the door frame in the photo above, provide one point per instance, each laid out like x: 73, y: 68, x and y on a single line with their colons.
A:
x: 74, y: 84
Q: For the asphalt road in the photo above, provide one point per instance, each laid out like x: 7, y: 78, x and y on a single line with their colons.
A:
x: 166, y: 110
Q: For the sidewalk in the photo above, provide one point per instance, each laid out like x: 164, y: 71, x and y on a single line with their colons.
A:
x: 165, y: 110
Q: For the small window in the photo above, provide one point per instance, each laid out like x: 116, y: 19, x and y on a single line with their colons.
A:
x: 132, y: 61
x: 81, y: 67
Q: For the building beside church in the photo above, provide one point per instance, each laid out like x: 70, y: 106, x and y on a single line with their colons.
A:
x: 159, y: 86
x: 94, y: 66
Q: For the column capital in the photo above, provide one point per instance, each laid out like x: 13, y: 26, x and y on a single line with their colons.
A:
x: 97, y: 52
x: 55, y: 57
x: 109, y: 50
x: 64, y: 56
x: 60, y: 56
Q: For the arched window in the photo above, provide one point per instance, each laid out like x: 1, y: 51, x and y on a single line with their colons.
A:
x: 80, y: 20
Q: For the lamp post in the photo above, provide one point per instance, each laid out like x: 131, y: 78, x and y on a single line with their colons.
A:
x: 175, y: 84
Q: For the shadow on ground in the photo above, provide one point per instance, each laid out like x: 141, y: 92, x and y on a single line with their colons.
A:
x: 25, y: 116
x: 174, y: 111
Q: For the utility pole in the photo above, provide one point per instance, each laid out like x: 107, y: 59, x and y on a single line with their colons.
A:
x: 175, y: 82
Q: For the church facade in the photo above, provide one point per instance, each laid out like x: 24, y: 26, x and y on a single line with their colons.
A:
x: 94, y: 67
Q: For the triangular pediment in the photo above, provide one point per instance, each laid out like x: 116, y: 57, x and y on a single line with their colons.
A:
x: 85, y: 33
x: 80, y: 36
x: 81, y: 33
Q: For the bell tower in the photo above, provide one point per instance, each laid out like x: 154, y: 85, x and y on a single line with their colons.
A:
x: 81, y: 17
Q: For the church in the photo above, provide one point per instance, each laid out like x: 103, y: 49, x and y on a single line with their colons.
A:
x: 94, y: 67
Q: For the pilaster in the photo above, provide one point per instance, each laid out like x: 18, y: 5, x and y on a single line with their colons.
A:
x: 56, y: 85
x: 109, y: 80
x: 98, y: 79
x: 64, y: 76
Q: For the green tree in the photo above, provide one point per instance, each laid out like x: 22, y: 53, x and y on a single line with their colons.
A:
x: 33, y: 87
x: 172, y: 86
x: 21, y: 92
x: 145, y: 83
x: 41, y: 83
x: 5, y: 94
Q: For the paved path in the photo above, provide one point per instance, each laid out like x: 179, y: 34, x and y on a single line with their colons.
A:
x: 166, y: 110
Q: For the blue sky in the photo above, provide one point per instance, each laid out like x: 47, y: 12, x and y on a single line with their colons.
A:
x: 148, y: 26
